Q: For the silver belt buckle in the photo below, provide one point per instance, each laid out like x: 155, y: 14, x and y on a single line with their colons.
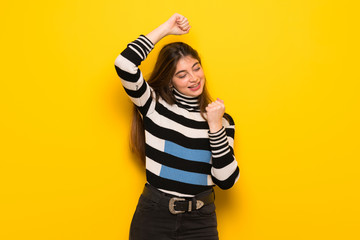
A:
x: 172, y: 205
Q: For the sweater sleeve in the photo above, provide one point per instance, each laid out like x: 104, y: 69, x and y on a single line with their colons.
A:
x: 126, y: 65
x: 225, y: 171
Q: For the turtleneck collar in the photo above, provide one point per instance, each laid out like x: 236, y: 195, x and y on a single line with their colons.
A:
x: 190, y: 103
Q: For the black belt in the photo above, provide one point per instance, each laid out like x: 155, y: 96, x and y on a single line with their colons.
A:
x: 179, y: 204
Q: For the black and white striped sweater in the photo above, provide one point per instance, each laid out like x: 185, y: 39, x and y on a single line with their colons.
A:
x: 182, y: 156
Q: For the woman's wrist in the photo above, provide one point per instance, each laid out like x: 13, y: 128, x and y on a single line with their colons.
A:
x: 215, y: 127
x: 158, y: 33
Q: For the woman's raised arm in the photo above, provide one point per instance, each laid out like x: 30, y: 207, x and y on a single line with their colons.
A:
x: 127, y: 62
x: 175, y: 25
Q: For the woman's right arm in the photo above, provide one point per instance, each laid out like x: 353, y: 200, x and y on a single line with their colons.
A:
x: 126, y: 64
x: 176, y: 25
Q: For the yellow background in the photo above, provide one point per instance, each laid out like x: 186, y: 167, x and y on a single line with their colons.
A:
x: 287, y: 70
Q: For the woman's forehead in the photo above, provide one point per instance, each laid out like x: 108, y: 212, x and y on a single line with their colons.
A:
x: 186, y: 62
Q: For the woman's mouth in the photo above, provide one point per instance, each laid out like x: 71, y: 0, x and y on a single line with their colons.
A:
x: 195, y: 87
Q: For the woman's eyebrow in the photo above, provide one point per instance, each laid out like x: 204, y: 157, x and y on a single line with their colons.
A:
x: 180, y: 72
x: 195, y: 64
x: 185, y: 70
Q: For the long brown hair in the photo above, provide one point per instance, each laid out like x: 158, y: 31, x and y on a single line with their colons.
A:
x: 160, y: 81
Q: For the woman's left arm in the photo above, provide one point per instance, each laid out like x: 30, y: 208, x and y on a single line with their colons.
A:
x: 225, y: 171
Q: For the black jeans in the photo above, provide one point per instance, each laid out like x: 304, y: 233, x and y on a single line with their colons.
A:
x: 153, y: 220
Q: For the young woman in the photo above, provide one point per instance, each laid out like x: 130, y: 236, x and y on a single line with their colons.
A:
x: 185, y: 139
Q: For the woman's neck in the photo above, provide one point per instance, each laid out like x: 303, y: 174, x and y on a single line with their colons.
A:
x: 186, y: 101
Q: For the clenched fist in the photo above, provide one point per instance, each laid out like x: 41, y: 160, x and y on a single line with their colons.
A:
x: 177, y: 25
x: 214, y: 113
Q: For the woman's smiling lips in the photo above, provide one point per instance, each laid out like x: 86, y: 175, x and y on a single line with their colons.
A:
x: 195, y: 87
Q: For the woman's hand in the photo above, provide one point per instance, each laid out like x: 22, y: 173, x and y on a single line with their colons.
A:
x: 177, y: 24
x: 215, y: 112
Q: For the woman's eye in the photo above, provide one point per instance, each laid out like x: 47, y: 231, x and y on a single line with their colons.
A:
x: 182, y: 76
x: 197, y: 69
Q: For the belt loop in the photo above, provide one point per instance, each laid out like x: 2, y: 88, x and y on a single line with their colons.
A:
x: 193, y: 203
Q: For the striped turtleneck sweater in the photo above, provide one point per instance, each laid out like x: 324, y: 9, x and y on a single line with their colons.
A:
x: 182, y: 157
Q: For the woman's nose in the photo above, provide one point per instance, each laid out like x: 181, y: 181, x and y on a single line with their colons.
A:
x: 193, y: 77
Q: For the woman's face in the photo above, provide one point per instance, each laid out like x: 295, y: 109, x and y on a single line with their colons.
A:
x: 189, y: 78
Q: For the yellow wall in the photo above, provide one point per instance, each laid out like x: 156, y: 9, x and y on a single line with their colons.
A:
x: 287, y: 70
